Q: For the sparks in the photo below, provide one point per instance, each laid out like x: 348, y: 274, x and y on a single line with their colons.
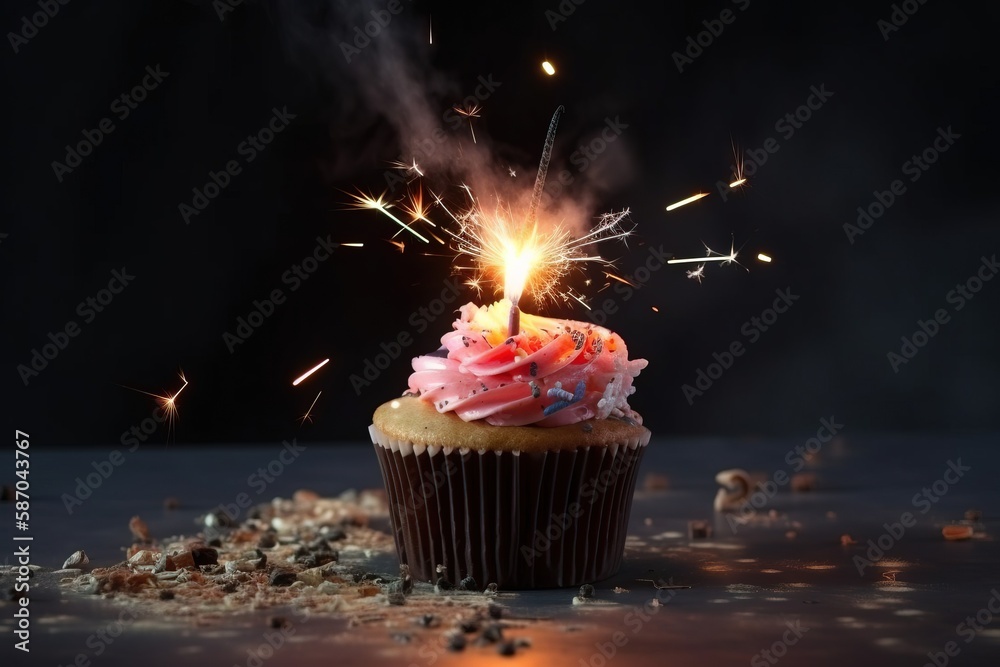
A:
x: 353, y: 245
x: 764, y: 258
x: 505, y: 252
x: 298, y: 380
x: 167, y: 403
x: 430, y: 30
x: 411, y: 168
x: 620, y: 279
x: 697, y: 274
x: 655, y: 309
x: 416, y: 209
x: 469, y: 112
x: 549, y: 69
x: 738, y: 177
x: 510, y: 170
x: 710, y: 256
x: 366, y: 201
x: 684, y: 202
x: 398, y: 244
x: 308, y: 414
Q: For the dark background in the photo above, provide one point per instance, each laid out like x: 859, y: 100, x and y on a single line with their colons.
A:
x: 826, y: 356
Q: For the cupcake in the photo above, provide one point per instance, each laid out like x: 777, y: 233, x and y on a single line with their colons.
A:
x: 513, y: 459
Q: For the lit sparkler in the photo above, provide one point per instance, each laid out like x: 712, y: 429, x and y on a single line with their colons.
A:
x: 304, y: 376
x: 507, y: 246
x: 684, y: 202
x: 469, y: 112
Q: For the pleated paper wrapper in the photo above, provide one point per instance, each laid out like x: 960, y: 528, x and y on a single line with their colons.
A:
x: 520, y: 520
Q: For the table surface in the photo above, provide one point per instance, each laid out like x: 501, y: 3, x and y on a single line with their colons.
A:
x: 781, y: 587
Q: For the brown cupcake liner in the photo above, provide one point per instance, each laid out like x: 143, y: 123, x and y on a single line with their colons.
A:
x: 517, y: 519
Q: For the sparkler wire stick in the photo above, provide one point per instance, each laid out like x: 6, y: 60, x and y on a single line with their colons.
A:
x: 543, y: 165
x: 514, y: 321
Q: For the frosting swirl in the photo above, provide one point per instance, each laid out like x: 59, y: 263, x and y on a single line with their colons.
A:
x: 552, y: 373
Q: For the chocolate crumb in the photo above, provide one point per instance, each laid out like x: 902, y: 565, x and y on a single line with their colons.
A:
x: 167, y: 595
x: 468, y: 584
x: 205, y: 556
x: 492, y: 633
x: 456, y: 641
x: 586, y: 591
x: 282, y: 578
x: 507, y: 648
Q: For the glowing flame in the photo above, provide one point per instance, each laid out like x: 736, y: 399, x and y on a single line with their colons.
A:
x: 532, y: 258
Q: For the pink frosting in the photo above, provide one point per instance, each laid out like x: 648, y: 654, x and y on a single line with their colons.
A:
x: 552, y: 373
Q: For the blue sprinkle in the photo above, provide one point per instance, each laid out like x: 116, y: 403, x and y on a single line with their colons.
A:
x: 567, y: 398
